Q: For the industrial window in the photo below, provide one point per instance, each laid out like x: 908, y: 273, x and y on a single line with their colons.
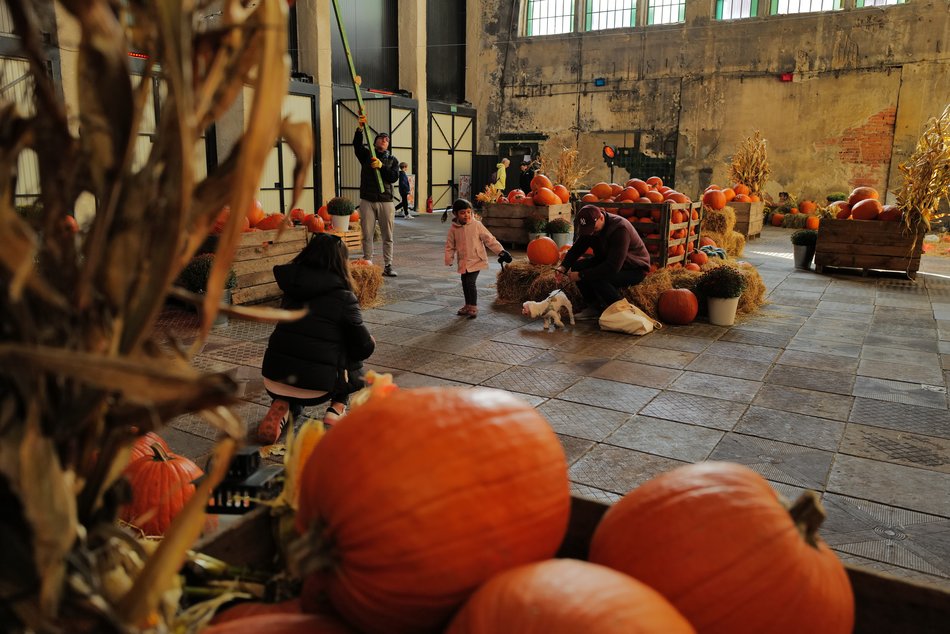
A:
x: 876, y: 3
x: 549, y: 17
x: 784, y: 7
x: 611, y: 14
x: 666, y: 11
x: 736, y: 9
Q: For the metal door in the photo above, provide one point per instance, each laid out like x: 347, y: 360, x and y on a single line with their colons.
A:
x: 451, y: 147
x: 381, y: 116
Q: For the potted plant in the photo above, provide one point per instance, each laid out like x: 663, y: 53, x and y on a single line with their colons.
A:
x: 722, y: 287
x: 536, y: 227
x: 194, y: 278
x: 560, y: 230
x: 340, y: 209
x: 803, y: 242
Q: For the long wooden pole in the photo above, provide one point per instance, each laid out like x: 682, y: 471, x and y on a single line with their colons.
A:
x: 356, y: 89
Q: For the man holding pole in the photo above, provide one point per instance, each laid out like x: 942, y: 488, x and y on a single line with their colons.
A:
x: 376, y: 204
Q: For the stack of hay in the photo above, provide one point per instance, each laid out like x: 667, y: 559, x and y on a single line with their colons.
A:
x: 719, y: 226
x: 367, y: 278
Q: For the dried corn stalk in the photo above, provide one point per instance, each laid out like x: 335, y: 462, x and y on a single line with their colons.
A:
x: 927, y: 174
x: 81, y: 368
x: 490, y: 194
x: 568, y: 170
x: 750, y: 163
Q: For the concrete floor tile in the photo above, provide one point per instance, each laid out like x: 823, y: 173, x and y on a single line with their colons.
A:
x: 698, y: 330
x: 581, y: 421
x: 788, y: 427
x: 441, y: 342
x: 900, y: 372
x: 405, y: 357
x: 743, y: 351
x: 730, y: 366
x: 501, y: 352
x: 406, y: 379
x: 702, y: 384
x: 382, y: 316
x: 636, y: 374
x: 530, y: 399
x: 663, y: 341
x: 669, y: 439
x: 810, y: 379
x: 810, y: 402
x: 772, y: 340
x: 536, y: 337
x: 393, y: 334
x: 825, y: 347
x: 846, y: 307
x: 901, y: 417
x: 532, y: 381
x: 899, y: 355
x: 819, y: 361
x: 891, y: 484
x: 903, y: 343
x: 907, y: 574
x: 697, y: 410
x: 472, y: 371
x: 609, y: 394
x: 574, y: 448
x: 900, y: 392
x: 901, y: 447
x: 619, y: 470
x: 657, y: 356
x: 593, y: 348
x: 822, y: 333
x: 776, y: 461
x: 570, y: 362
x: 593, y: 493
x: 414, y: 308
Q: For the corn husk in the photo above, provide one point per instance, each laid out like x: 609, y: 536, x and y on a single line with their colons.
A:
x: 568, y: 170
x: 750, y: 163
x: 926, y: 175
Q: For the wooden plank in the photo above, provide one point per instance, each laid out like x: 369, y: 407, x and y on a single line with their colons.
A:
x: 261, y: 264
x: 253, y: 238
x: 882, y: 263
x: 253, y: 279
x: 255, y: 293
x: 883, y: 250
x: 748, y: 217
x: 269, y: 250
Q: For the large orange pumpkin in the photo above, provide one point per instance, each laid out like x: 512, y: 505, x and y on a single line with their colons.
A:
x: 315, y: 224
x: 890, y: 213
x: 840, y: 208
x: 539, y: 181
x: 542, y: 251
x: 861, y: 193
x: 812, y: 222
x: 161, y: 485
x: 867, y: 209
x: 273, y: 221
x: 256, y: 213
x: 778, y: 219
x: 142, y: 446
x: 807, y: 207
x: 677, y: 306
x: 715, y: 540
x: 602, y: 190
x: 281, y: 623
x: 546, y: 197
x: 562, y: 193
x: 456, y: 486
x: 567, y: 596
x: 323, y: 213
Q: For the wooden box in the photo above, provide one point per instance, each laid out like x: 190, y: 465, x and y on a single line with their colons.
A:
x: 868, y: 244
x: 660, y: 227
x: 883, y: 604
x: 353, y: 239
x: 257, y: 254
x: 507, y: 221
x: 749, y: 218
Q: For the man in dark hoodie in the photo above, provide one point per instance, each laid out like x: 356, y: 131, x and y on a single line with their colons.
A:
x: 375, y: 205
x: 619, y: 259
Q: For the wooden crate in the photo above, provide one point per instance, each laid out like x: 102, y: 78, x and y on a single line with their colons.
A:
x: 506, y: 221
x: 866, y: 245
x: 883, y: 604
x: 353, y: 238
x: 661, y: 227
x: 749, y: 217
x: 257, y: 254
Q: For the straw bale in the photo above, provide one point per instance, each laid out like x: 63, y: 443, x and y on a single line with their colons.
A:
x: 366, y: 283
x: 733, y: 242
x: 753, y: 297
x: 719, y: 221
x: 513, y: 282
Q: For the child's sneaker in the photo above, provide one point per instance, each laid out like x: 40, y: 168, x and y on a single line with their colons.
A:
x: 274, y: 420
x: 472, y: 312
x: 464, y: 310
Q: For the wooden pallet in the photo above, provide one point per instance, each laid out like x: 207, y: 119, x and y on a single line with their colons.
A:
x: 257, y: 254
x: 353, y: 239
x: 507, y: 221
x: 660, y: 214
x: 868, y: 245
x: 749, y: 217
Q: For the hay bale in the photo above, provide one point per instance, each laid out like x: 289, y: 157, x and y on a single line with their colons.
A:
x: 733, y: 242
x: 366, y: 282
x: 647, y: 293
x: 753, y: 297
x: 719, y: 221
x: 513, y: 282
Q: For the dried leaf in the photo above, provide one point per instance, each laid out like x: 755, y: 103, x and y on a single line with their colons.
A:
x: 261, y: 314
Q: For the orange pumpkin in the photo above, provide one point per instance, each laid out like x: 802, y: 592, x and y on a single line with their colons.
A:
x: 273, y: 221
x: 715, y: 540
x: 222, y: 220
x: 562, y: 193
x: 539, y: 181
x: 729, y: 193
x: 807, y: 207
x: 677, y: 306
x: 361, y: 262
x: 655, y: 181
x: 546, y: 197
x: 542, y: 251
x: 778, y: 219
x: 256, y: 213
x: 515, y: 195
x: 161, y: 485
x: 692, y: 267
x: 315, y: 224
x: 890, y: 213
x: 602, y: 190
x: 654, y: 196
x: 812, y: 222
x: 298, y: 215
x: 142, y: 446
x: 698, y: 257
x: 355, y: 216
x: 707, y: 242
x: 323, y: 213
x: 742, y: 198
x: 567, y: 595
x: 641, y: 186
x: 714, y: 199
x: 436, y: 514
x: 281, y: 623
x: 861, y: 193
x: 741, y: 190
x: 867, y: 209
x: 70, y: 225
x: 840, y: 208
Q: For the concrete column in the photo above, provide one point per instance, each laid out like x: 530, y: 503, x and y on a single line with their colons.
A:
x: 412, y: 77
x: 315, y: 19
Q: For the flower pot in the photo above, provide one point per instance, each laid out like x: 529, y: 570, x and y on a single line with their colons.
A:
x: 722, y: 310
x: 561, y: 239
x: 803, y: 255
x: 340, y: 223
x: 534, y: 236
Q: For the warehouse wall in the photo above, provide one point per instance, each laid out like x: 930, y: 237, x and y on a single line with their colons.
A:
x: 865, y: 82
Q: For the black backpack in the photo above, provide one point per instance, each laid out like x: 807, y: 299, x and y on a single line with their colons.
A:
x: 493, y: 177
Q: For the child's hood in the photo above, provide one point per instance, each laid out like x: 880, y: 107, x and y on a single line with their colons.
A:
x: 303, y: 282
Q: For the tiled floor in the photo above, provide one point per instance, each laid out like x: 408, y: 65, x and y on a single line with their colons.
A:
x: 839, y: 384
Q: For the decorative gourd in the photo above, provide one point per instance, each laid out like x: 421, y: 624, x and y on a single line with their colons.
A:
x: 543, y: 251
x: 248, y: 609
x: 281, y: 623
x: 142, y: 446
x: 677, y: 306
x: 161, y: 485
x: 567, y: 596
x: 715, y: 540
x: 456, y: 486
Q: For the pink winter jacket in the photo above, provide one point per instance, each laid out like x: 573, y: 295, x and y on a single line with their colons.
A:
x: 469, y: 242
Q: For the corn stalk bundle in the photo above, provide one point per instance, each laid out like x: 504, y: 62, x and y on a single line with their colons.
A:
x: 82, y: 370
x: 926, y: 174
x: 568, y: 170
x: 750, y: 163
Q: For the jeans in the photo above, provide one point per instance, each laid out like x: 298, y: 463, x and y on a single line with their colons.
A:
x: 468, y: 287
x: 602, y: 292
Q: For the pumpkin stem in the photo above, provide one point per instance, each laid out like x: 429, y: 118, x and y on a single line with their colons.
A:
x: 313, y: 551
x: 159, y: 453
x: 808, y: 515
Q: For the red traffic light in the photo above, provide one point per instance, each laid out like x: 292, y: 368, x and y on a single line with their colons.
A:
x: 609, y: 152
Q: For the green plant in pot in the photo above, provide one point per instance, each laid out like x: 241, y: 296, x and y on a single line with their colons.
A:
x: 536, y: 226
x: 722, y: 287
x: 194, y: 278
x: 340, y: 209
x: 803, y: 244
x: 560, y: 230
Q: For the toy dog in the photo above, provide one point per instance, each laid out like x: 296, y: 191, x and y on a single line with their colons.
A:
x: 550, y: 309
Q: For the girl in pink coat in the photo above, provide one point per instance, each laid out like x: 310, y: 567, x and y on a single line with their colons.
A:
x: 467, y: 240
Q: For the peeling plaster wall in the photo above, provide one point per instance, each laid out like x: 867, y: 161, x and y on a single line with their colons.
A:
x: 865, y: 83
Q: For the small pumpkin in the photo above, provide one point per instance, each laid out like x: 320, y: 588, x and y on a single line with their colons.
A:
x: 355, y: 216
x: 255, y: 213
x: 677, y: 306
x: 273, y: 221
x: 545, y: 197
x: 867, y: 209
x: 540, y: 180
x: 715, y: 540
x: 812, y: 222
x: 315, y: 224
x: 777, y: 219
x: 543, y: 251
x: 567, y: 596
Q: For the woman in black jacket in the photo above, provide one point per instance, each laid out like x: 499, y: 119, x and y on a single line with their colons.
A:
x: 318, y: 358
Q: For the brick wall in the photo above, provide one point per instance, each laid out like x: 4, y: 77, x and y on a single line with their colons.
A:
x: 865, y: 150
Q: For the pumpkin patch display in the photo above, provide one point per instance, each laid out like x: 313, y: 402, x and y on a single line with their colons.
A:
x: 457, y: 485
x: 716, y: 541
x: 543, y: 251
x: 570, y: 596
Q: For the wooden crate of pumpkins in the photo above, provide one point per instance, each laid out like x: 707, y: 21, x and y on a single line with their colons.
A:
x: 506, y: 221
x: 257, y: 254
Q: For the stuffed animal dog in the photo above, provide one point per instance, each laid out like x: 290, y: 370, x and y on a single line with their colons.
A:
x: 550, y: 309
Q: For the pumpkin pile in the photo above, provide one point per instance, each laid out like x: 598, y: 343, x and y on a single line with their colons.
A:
x: 543, y: 193
x: 864, y: 203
